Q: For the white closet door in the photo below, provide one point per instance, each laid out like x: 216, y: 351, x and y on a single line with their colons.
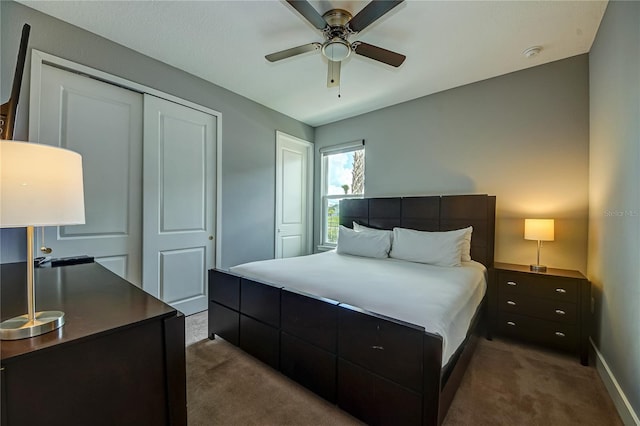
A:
x: 103, y: 123
x: 179, y: 203
x: 294, y: 175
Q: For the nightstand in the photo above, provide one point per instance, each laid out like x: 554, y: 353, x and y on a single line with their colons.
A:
x: 548, y: 308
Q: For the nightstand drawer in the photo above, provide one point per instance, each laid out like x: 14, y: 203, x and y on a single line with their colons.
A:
x: 548, y: 333
x: 538, y: 285
x: 523, y: 304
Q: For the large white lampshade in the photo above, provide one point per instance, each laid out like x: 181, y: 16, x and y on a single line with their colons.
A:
x: 40, y: 185
x: 539, y: 230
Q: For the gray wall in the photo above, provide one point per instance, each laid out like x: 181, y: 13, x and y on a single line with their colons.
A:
x: 614, y: 194
x: 523, y: 137
x: 248, y: 129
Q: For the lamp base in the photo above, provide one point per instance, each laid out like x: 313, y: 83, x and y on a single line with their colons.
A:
x: 538, y: 268
x: 21, y: 328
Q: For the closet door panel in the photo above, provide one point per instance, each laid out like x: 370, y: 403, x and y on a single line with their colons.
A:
x: 179, y: 196
x: 103, y: 123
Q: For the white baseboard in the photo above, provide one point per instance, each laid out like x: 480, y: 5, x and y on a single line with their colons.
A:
x: 625, y: 410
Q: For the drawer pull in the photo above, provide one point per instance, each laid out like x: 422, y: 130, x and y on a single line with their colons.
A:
x: 559, y: 334
x: 511, y: 302
x: 560, y: 312
x: 380, y: 348
x: 513, y: 283
x: 511, y: 323
x: 561, y: 290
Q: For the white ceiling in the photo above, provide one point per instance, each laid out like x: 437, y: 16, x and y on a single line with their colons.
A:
x: 447, y: 44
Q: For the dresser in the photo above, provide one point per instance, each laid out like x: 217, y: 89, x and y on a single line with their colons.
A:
x: 119, y: 359
x: 550, y: 308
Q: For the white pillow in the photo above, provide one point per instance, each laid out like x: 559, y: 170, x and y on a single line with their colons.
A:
x: 361, y: 228
x: 434, y: 248
x: 366, y: 244
x: 466, y: 245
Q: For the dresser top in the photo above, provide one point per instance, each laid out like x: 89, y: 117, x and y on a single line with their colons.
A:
x: 553, y: 272
x: 94, y: 300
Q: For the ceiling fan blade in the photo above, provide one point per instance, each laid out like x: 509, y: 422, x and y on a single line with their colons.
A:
x: 371, y: 12
x: 333, y: 74
x: 283, y: 54
x: 378, y: 53
x: 305, y: 9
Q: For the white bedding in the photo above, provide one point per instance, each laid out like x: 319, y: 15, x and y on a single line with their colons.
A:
x: 443, y: 300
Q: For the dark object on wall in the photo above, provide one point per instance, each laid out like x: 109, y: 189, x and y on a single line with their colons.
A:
x: 8, y: 109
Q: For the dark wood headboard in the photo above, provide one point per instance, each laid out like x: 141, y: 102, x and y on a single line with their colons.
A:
x: 430, y: 213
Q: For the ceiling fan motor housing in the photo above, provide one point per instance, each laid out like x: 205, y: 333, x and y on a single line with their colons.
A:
x: 336, y: 48
x: 337, y: 17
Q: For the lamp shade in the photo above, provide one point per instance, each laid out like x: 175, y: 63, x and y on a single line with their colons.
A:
x: 40, y: 185
x: 538, y: 229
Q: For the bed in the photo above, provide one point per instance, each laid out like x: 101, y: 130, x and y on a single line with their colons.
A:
x: 372, y: 355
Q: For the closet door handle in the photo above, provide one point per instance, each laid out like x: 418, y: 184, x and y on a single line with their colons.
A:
x: 560, y: 312
x: 561, y: 290
x: 512, y: 283
x: 511, y: 323
x: 511, y: 302
x: 560, y: 334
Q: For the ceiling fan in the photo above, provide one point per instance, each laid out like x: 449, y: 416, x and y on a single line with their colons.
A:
x: 337, y: 25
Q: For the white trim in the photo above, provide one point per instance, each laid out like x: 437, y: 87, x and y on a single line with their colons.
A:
x: 218, y: 260
x: 310, y: 167
x: 38, y: 58
x: 324, y: 154
x: 622, y: 404
x: 343, y: 147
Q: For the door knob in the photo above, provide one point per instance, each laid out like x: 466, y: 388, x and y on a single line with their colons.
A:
x: 210, y: 237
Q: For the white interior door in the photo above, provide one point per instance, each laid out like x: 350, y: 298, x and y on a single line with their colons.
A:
x: 179, y: 203
x: 103, y: 123
x: 294, y: 175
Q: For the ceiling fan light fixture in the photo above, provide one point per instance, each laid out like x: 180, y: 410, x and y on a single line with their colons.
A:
x: 336, y: 49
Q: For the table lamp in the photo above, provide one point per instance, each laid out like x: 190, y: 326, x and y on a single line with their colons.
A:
x: 40, y: 185
x: 538, y: 230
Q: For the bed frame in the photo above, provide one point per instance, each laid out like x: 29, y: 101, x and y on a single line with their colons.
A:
x: 379, y: 369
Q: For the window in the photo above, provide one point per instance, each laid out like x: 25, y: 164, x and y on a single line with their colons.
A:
x: 342, y: 177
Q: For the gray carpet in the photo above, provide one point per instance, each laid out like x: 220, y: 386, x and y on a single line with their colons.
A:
x: 506, y: 384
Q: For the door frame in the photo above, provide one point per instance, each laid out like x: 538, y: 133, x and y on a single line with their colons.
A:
x: 38, y: 58
x: 310, y: 164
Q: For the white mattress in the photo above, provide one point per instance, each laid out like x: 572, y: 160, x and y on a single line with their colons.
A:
x: 443, y: 300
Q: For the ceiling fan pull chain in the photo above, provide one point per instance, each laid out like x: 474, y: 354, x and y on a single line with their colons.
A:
x: 331, y: 69
x: 43, y: 248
